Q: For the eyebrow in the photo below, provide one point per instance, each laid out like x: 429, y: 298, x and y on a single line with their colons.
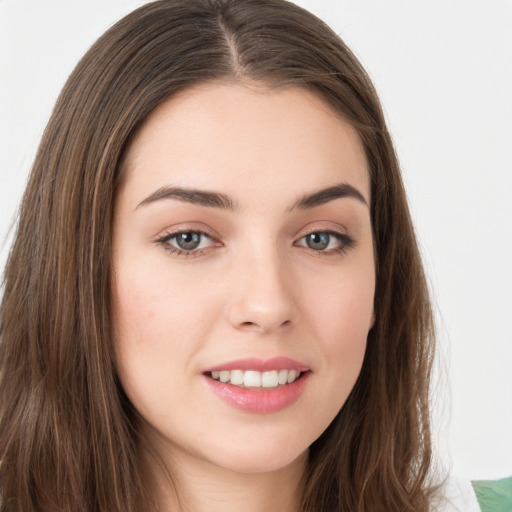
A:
x: 219, y: 200
x: 193, y: 196
x: 328, y: 194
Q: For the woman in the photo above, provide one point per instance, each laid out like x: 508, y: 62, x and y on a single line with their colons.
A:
x: 215, y: 297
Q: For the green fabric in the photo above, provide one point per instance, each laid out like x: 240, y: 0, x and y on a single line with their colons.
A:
x: 494, y: 495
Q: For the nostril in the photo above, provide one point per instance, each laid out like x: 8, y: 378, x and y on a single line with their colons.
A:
x: 251, y: 325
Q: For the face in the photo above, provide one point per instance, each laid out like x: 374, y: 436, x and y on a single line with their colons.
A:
x: 243, y: 274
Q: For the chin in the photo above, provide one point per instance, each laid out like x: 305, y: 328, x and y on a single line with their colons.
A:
x: 262, y: 453
x: 261, y: 461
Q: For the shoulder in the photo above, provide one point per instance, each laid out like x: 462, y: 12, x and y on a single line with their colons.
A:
x: 461, y: 495
x: 494, y: 495
x: 456, y: 495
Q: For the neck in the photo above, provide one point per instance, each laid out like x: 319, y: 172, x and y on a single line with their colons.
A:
x: 195, y: 485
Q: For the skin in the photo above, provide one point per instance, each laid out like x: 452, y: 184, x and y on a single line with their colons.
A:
x: 253, y: 288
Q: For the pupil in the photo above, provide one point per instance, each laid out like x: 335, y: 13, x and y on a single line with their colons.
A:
x: 188, y: 241
x: 318, y: 240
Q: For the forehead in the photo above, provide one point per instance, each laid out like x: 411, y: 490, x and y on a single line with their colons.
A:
x: 230, y: 135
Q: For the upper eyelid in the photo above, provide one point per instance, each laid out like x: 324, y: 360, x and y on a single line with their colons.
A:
x: 341, y: 231
x: 343, y: 238
x: 324, y: 230
x: 172, y: 232
x: 323, y: 224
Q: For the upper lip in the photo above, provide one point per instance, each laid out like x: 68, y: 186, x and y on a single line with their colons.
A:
x: 261, y: 365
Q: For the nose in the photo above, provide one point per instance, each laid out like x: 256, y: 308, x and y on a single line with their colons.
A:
x: 263, y: 296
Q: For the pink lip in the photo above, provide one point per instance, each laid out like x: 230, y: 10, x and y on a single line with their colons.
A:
x: 261, y: 365
x: 260, y: 400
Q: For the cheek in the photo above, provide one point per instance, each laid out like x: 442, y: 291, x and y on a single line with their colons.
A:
x: 345, y: 321
x: 342, y: 314
x: 342, y: 305
x: 153, y: 309
x: 157, y: 326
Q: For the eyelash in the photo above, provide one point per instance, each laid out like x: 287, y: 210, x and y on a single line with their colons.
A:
x: 164, y: 241
x: 346, y: 243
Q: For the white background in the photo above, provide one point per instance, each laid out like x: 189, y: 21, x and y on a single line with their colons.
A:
x: 443, y: 69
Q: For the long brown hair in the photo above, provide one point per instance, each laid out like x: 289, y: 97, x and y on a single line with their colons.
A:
x: 68, y: 439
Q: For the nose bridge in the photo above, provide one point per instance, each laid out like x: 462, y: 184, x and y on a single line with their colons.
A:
x: 263, y: 294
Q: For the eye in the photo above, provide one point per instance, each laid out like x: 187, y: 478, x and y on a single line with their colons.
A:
x: 186, y: 242
x: 326, y: 241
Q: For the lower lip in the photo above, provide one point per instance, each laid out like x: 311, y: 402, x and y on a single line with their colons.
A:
x: 261, y: 400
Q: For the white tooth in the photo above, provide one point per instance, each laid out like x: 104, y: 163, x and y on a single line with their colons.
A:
x: 215, y: 375
x: 292, y: 375
x: 283, y: 376
x: 224, y: 376
x: 269, y: 379
x: 252, y: 379
x: 237, y: 377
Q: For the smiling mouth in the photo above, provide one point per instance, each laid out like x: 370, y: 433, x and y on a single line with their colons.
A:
x: 253, y: 379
